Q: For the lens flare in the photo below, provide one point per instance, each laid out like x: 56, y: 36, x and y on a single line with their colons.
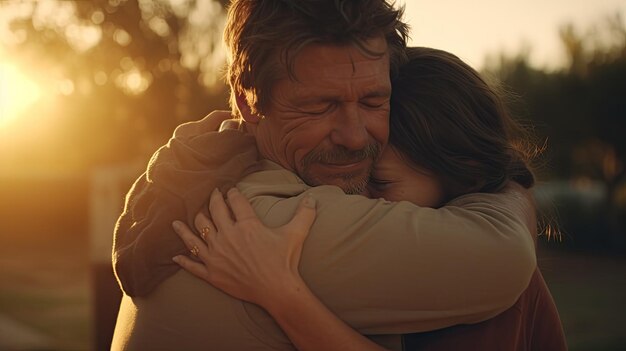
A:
x: 17, y: 93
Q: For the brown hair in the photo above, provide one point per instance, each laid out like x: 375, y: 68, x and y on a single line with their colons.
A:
x: 264, y: 36
x: 447, y: 119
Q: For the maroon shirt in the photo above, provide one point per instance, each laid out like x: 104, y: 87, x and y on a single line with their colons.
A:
x: 533, y: 323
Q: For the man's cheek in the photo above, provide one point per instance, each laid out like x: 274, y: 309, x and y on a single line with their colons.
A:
x: 295, y: 155
x: 378, y: 125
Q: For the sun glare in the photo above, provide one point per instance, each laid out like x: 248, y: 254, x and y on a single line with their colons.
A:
x: 17, y: 92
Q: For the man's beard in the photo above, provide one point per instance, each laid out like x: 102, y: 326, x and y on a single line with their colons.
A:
x: 352, y: 182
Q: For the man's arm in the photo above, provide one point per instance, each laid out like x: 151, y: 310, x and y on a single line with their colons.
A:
x: 176, y: 184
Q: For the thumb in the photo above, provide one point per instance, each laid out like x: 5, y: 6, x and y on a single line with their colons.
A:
x: 303, y: 219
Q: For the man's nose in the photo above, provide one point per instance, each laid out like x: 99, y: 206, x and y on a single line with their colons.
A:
x: 350, y: 129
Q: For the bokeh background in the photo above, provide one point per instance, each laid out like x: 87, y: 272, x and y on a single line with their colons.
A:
x: 89, y: 89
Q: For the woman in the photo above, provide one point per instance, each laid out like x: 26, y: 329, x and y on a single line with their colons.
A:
x: 450, y: 135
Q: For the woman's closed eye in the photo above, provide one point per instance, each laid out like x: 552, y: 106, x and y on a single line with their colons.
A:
x: 379, y: 184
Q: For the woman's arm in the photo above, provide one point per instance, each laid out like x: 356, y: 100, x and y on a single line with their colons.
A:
x: 252, y: 262
x: 394, y: 268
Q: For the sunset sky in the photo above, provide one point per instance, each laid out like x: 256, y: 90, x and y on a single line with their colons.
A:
x: 473, y: 29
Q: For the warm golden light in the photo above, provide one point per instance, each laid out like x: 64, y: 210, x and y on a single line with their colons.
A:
x: 17, y: 92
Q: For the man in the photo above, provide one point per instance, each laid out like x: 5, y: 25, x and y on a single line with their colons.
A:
x: 310, y: 81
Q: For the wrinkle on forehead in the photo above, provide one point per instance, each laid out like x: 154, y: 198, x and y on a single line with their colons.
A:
x: 342, y: 71
x: 355, y: 69
x: 333, y: 87
x: 342, y: 61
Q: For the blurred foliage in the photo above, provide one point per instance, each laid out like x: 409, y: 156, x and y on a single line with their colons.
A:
x: 119, y: 75
x: 580, y: 113
x: 123, y: 73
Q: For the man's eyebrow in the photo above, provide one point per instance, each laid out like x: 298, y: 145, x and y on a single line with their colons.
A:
x: 379, y: 92
x: 317, y: 99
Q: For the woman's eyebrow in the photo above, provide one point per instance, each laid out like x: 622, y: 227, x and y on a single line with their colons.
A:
x: 384, y: 169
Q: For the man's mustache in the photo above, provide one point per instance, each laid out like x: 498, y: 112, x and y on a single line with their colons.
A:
x: 342, y: 155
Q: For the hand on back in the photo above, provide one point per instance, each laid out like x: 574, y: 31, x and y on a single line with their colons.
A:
x: 240, y: 255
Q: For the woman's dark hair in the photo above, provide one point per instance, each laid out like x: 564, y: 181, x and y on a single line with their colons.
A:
x: 445, y: 118
x: 263, y: 37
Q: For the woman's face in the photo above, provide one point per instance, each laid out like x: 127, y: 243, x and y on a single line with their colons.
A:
x: 394, y: 179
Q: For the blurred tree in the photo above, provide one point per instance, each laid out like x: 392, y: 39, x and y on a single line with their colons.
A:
x: 124, y: 73
x: 116, y: 77
x: 581, y: 110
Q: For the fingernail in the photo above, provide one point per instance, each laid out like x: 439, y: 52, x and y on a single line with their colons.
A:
x: 218, y: 192
x: 309, y: 201
x: 232, y: 191
x: 176, y: 225
x: 176, y: 259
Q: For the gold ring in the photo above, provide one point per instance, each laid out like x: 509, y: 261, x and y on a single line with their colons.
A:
x: 194, y: 250
x: 204, y: 232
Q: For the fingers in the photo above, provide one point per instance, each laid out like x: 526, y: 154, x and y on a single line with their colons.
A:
x: 196, y: 246
x: 219, y: 211
x: 205, y: 227
x: 230, y: 124
x: 240, y: 205
x: 193, y: 267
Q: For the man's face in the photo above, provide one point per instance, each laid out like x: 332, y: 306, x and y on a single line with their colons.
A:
x: 330, y: 124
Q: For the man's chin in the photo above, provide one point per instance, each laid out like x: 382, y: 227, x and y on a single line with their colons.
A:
x: 353, y: 183
x: 353, y: 187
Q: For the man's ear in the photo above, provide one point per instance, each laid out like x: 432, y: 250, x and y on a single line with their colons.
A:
x: 245, y: 111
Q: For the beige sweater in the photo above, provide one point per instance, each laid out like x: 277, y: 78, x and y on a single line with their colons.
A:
x: 383, y: 267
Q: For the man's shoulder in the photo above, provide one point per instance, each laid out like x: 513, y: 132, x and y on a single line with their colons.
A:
x: 272, y: 180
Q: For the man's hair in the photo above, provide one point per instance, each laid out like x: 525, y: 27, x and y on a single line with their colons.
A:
x: 445, y: 118
x: 264, y: 36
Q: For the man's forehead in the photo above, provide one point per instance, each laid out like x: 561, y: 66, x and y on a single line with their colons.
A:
x: 361, y: 78
x: 362, y: 69
x: 342, y: 61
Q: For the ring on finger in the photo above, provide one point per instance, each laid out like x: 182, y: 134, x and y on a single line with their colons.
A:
x: 195, y: 250
x: 204, y: 232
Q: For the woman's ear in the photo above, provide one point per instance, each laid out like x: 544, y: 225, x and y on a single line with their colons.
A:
x: 245, y: 111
